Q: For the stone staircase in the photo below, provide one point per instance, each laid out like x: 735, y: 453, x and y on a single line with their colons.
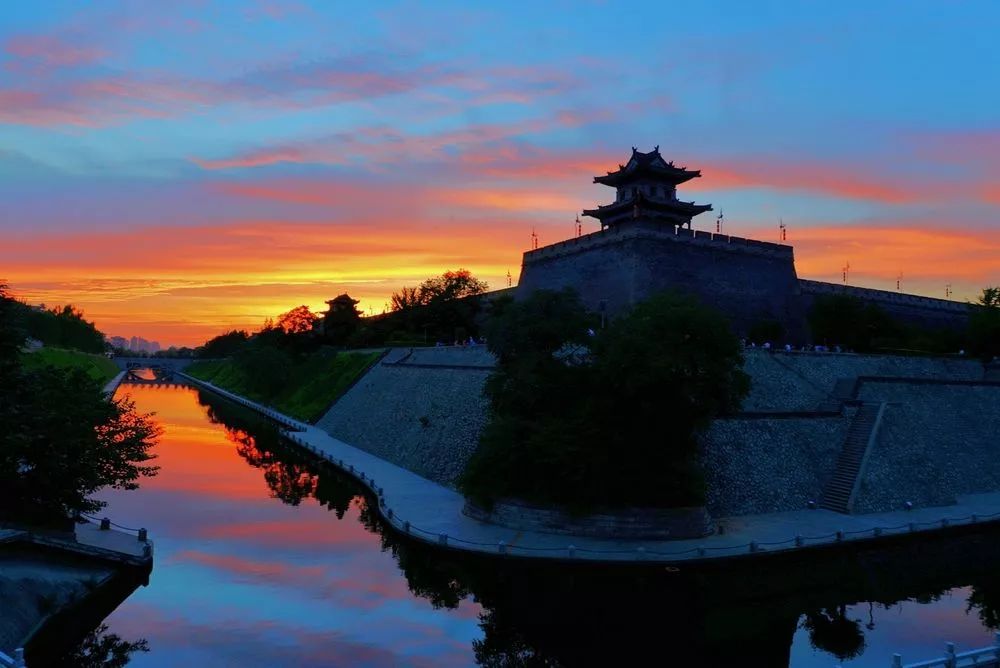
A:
x: 839, y: 492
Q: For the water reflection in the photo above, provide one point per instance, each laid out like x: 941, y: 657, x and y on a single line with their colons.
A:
x: 102, y: 649
x: 241, y: 579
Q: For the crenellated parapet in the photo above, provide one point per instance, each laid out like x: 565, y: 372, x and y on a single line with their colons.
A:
x: 884, y: 296
x: 638, y: 231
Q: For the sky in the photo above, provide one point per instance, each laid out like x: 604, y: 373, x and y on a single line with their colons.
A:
x: 180, y: 169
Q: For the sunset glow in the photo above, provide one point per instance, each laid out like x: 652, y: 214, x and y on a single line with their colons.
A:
x: 179, y: 169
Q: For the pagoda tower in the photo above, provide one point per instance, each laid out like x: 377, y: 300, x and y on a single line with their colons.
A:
x: 646, y: 188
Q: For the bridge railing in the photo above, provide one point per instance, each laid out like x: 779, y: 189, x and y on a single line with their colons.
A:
x: 982, y: 657
x: 16, y: 661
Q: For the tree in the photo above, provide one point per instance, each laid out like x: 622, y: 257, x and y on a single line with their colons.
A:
x: 848, y: 321
x: 609, y: 419
x: 61, y: 440
x: 342, y: 319
x: 299, y: 320
x: 224, y: 345
x: 984, y: 325
x: 405, y: 299
x: 831, y: 631
x: 456, y: 284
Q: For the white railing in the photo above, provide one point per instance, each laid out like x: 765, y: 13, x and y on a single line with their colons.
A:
x: 16, y: 661
x: 983, y: 657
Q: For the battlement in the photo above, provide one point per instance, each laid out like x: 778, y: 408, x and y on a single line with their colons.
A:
x: 657, y: 232
x: 884, y: 296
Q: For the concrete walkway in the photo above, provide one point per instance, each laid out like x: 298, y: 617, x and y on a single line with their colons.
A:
x: 112, y: 385
x: 432, y: 513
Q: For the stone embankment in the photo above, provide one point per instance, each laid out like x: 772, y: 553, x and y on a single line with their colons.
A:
x: 433, y: 513
x: 421, y: 409
x: 938, y: 441
x: 769, y: 465
x: 809, y: 381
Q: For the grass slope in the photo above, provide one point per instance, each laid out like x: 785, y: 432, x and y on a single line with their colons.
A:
x: 97, y: 367
x: 317, y: 381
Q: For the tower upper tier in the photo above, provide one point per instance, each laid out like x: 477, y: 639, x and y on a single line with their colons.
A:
x: 646, y: 187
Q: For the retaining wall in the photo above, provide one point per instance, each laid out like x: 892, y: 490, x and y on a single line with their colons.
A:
x: 635, y: 523
x: 770, y: 465
x: 421, y: 410
x: 802, y: 381
x: 936, y: 442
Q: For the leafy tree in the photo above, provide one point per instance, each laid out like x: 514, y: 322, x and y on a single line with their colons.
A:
x: 848, y: 321
x: 224, y: 345
x: 341, y: 320
x: 766, y: 330
x: 443, y: 307
x: 300, y: 320
x: 405, y: 299
x: 984, y: 325
x: 451, y: 285
x: 61, y: 440
x: 609, y: 419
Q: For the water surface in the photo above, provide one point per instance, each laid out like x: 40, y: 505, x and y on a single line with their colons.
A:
x: 265, y: 557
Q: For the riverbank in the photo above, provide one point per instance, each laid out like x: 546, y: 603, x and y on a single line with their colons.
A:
x: 432, y: 513
x: 98, y: 367
x: 314, y: 382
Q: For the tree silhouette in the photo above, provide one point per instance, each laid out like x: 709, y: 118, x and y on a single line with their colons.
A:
x: 831, y: 631
x: 101, y: 649
x: 299, y: 320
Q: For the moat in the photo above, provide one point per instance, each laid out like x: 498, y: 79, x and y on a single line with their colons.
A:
x: 266, y: 557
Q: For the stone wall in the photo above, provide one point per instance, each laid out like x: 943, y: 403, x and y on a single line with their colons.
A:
x: 803, y: 381
x: 770, y: 465
x: 916, y: 309
x: 937, y: 441
x: 748, y: 280
x: 421, y: 410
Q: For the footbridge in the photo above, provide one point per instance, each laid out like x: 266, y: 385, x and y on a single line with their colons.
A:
x: 172, y: 363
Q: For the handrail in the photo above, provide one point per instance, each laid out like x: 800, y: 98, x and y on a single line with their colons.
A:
x: 16, y: 661
x: 951, y: 659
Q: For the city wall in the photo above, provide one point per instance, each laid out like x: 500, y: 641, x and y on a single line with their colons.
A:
x: 612, y: 270
x: 750, y: 281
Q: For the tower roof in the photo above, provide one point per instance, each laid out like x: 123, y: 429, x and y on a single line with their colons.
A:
x: 640, y: 205
x: 649, y: 164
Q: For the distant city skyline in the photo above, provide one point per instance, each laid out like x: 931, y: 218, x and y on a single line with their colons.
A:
x: 134, y: 344
x: 177, y: 170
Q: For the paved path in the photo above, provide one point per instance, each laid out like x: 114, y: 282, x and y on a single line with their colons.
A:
x: 112, y: 385
x: 432, y: 513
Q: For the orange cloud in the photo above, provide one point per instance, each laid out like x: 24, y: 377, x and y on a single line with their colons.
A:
x: 183, y: 285
x: 928, y: 257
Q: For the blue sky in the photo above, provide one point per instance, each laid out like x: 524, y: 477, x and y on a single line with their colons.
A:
x: 253, y: 156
